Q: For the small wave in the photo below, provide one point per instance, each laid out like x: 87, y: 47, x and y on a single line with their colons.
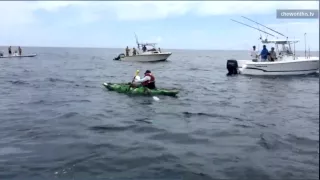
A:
x: 101, y: 115
x: 261, y: 125
x: 38, y: 102
x: 189, y: 115
x: 135, y: 161
x: 181, y: 138
x: 84, y: 69
x: 270, y: 141
x: 297, y: 106
x: 147, y: 129
x: 145, y: 120
x: 11, y: 150
x: 194, y: 69
x: 59, y: 80
x: 18, y: 82
x: 243, y: 125
x: 107, y: 128
x: 59, y: 102
x: 292, y: 138
x: 69, y: 115
x: 97, y: 57
x: 86, y: 86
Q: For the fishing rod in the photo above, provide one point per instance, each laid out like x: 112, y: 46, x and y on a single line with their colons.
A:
x: 260, y: 37
x: 137, y: 40
x: 259, y: 30
x: 265, y: 27
x: 252, y: 27
x: 305, y: 45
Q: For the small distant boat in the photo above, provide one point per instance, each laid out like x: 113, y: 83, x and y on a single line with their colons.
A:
x: 19, y: 56
x: 150, y: 55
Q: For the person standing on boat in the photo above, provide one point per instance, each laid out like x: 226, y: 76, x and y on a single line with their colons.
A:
x: 254, y: 54
x: 144, y: 48
x: 134, y: 52
x: 273, y: 55
x: 148, y: 81
x: 9, y: 51
x: 1, y: 53
x: 264, y: 53
x: 20, y: 50
x: 127, y: 51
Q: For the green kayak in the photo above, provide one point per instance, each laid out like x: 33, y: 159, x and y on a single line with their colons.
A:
x: 125, y: 88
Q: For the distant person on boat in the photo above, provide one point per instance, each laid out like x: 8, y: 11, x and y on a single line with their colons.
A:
x: 9, y: 51
x: 254, y: 54
x: 148, y: 81
x: 272, y: 54
x: 20, y: 50
x: 264, y: 54
x: 144, y: 48
x: 127, y: 51
x: 159, y: 50
x: 134, y: 52
x: 15, y: 53
x: 1, y: 53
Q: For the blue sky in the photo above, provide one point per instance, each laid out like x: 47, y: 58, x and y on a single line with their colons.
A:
x: 174, y: 25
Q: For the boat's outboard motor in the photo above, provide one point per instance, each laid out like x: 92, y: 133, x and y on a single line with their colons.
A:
x: 119, y: 57
x: 232, y: 66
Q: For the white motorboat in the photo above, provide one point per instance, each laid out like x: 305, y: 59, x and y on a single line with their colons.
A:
x: 287, y: 63
x: 18, y: 56
x: 153, y: 54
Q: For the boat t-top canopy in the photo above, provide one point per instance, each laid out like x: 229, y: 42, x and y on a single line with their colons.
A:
x: 147, y: 44
x: 280, y: 41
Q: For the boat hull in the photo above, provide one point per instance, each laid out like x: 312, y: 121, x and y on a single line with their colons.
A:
x: 12, y: 56
x: 292, y: 67
x: 146, y: 57
x: 126, y: 89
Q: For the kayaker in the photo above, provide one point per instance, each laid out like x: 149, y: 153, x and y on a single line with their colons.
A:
x: 148, y: 80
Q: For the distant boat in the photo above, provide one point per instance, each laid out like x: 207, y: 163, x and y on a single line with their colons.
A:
x: 18, y: 56
x: 150, y: 55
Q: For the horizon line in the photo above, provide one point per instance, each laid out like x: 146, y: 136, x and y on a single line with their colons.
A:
x: 81, y: 47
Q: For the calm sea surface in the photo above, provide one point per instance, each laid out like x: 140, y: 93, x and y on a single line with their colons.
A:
x: 59, y: 122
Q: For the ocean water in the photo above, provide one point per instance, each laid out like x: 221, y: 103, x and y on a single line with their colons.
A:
x: 59, y: 122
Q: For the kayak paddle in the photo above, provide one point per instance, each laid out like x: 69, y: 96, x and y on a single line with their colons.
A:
x: 137, y: 73
x: 155, y: 98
